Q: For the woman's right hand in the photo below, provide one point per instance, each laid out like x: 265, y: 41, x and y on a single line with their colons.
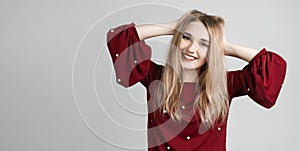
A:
x: 175, y: 22
x: 152, y: 30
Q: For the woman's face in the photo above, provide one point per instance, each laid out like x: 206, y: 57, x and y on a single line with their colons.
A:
x: 194, y: 45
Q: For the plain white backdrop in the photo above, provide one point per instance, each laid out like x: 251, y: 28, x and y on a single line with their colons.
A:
x: 57, y: 86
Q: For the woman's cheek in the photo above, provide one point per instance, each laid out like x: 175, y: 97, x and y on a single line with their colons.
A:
x: 203, y: 53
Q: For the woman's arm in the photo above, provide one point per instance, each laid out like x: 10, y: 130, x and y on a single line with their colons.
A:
x: 261, y: 79
x: 240, y: 52
x: 152, y: 30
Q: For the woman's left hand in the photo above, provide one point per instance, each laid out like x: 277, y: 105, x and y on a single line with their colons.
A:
x: 226, y: 47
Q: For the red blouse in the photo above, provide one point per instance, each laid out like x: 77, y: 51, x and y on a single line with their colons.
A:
x: 261, y: 80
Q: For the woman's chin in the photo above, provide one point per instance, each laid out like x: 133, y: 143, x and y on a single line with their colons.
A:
x: 192, y: 65
x: 189, y: 67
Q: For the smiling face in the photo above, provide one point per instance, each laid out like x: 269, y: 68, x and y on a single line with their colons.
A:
x: 194, y: 45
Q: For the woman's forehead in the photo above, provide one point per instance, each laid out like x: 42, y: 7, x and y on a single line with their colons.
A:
x: 197, y: 30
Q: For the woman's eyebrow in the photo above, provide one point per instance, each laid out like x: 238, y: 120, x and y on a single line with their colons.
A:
x: 204, y: 40
x: 190, y: 35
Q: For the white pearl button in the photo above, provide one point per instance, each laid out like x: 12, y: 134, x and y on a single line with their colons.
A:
x: 111, y: 30
x: 135, y: 61
x: 119, y: 80
x: 117, y: 55
x: 219, y: 128
x: 183, y: 107
x: 248, y: 89
x: 164, y: 111
x: 188, y: 137
x: 168, y: 147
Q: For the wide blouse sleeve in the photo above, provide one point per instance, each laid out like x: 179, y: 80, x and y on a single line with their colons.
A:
x: 130, y: 55
x: 261, y: 79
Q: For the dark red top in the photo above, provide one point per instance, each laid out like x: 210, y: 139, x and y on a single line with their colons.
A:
x: 261, y: 80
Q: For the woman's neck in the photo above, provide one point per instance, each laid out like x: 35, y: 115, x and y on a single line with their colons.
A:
x: 189, y: 75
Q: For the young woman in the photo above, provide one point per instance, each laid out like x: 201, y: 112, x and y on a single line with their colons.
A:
x: 189, y: 97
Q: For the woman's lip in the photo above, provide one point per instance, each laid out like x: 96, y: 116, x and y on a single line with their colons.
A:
x: 188, y: 57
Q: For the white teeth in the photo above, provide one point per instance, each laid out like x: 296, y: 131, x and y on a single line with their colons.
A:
x: 189, y: 57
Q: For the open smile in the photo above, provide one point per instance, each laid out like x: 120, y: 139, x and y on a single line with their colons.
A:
x: 189, y: 57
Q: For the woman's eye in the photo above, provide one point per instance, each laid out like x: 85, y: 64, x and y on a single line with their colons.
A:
x: 204, y: 44
x: 186, y: 37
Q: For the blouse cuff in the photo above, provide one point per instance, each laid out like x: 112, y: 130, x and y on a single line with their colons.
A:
x: 264, y: 77
x: 131, y: 57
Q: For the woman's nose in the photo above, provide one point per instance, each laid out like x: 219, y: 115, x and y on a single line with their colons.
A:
x: 193, y: 48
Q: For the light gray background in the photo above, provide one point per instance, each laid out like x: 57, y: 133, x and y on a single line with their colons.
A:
x: 41, y: 42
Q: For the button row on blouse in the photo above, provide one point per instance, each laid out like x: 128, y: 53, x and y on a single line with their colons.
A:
x: 165, y: 111
x: 117, y: 55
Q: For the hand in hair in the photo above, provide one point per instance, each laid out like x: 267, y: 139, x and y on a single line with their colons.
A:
x: 175, y: 22
x: 152, y: 30
x: 237, y: 51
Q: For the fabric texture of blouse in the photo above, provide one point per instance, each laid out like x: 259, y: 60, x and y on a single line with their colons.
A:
x: 261, y: 80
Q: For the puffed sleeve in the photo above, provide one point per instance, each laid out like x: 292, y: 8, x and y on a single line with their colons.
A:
x: 261, y: 79
x: 130, y: 55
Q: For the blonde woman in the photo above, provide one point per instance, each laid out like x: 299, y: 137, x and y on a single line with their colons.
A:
x: 189, y: 96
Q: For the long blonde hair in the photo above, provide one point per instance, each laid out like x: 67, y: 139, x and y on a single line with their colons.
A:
x: 212, y: 100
